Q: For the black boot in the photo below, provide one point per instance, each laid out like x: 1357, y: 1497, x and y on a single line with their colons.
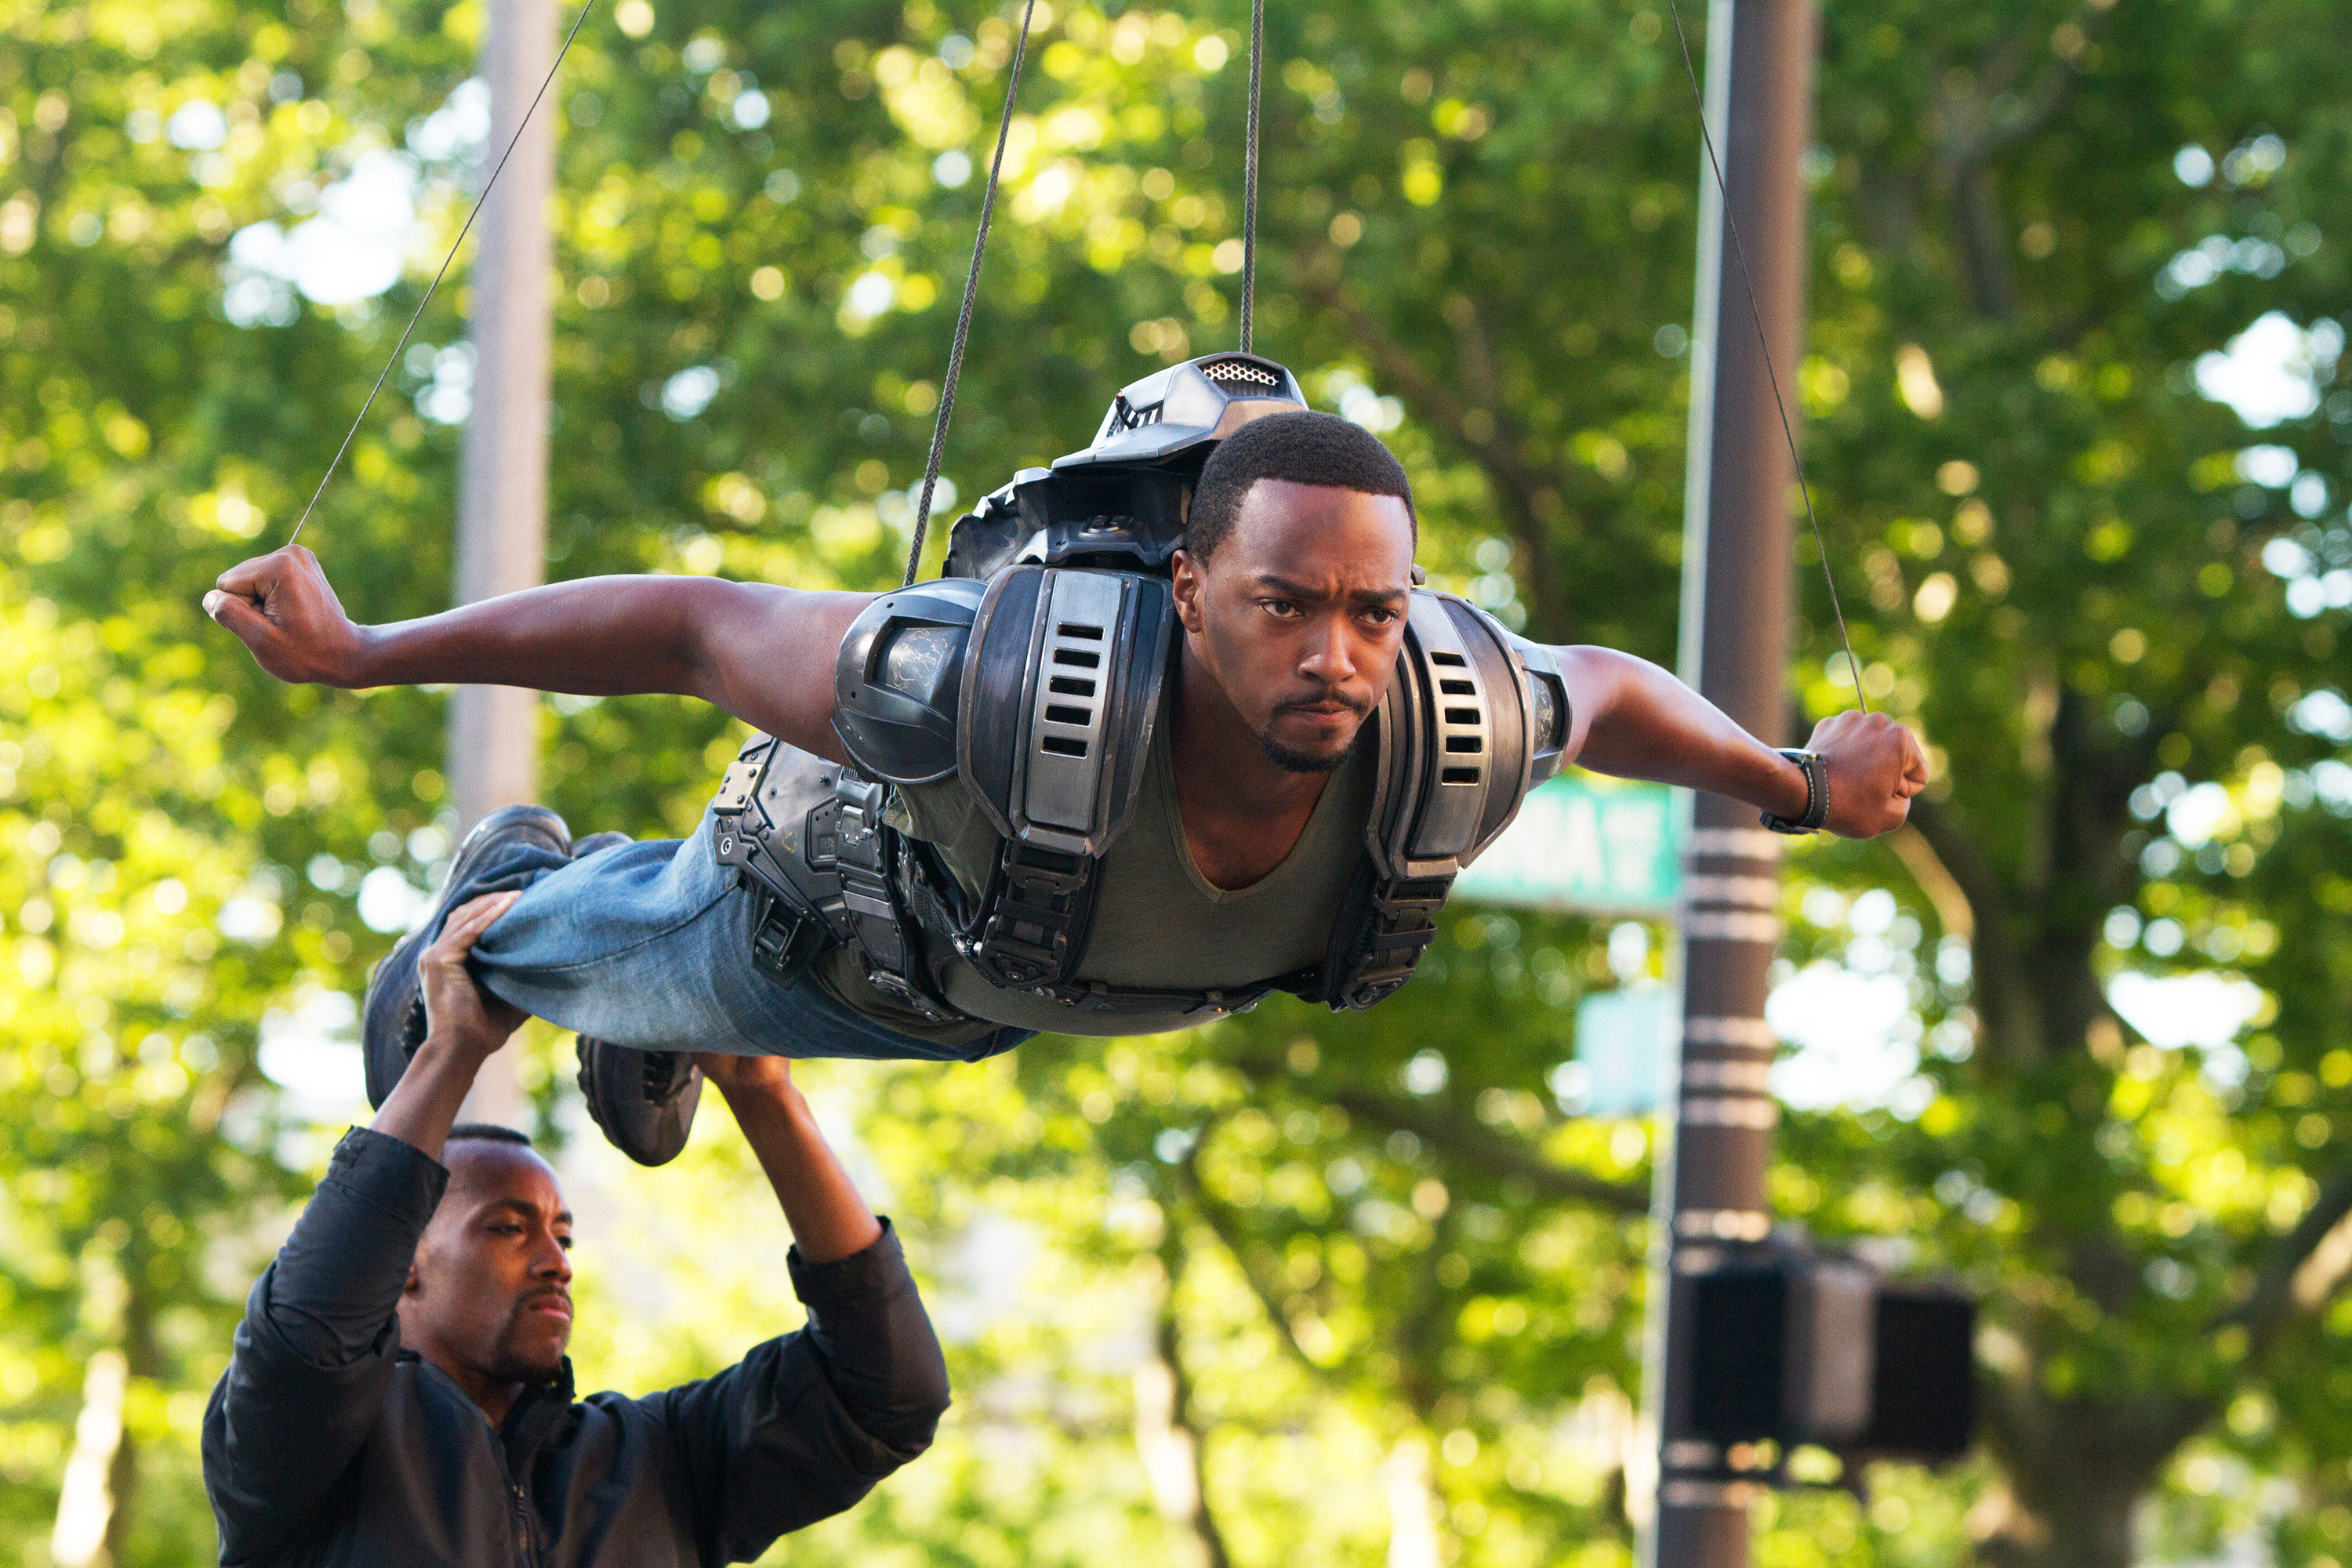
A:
x: 394, y: 1014
x: 644, y: 1102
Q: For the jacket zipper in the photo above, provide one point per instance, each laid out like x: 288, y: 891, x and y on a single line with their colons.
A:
x: 518, y: 1507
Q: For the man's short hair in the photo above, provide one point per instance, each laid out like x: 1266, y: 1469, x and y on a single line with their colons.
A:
x: 1306, y: 449
x: 486, y: 1132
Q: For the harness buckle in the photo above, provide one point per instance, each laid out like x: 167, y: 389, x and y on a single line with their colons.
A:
x: 785, y: 941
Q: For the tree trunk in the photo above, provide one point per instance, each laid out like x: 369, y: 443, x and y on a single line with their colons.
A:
x: 85, y: 1528
x: 2092, y: 1531
x: 145, y: 1364
x: 2074, y: 1480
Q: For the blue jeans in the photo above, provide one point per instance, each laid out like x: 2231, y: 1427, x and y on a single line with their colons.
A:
x: 648, y: 945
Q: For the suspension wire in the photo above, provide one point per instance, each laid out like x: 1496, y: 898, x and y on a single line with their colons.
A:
x: 1764, y: 348
x: 520, y: 126
x: 1249, y: 173
x: 971, y: 287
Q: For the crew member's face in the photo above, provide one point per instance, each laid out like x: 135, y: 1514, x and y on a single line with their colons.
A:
x: 490, y: 1291
x: 1300, y: 613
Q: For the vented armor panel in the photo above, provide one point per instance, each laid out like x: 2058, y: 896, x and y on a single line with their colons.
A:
x: 1056, y: 760
x: 1453, y: 741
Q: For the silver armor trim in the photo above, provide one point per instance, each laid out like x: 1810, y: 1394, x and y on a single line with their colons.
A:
x: 1186, y: 405
x: 1061, y: 771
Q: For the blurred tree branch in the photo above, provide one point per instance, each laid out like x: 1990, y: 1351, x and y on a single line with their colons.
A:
x: 1226, y: 1227
x: 1981, y: 114
x: 2004, y: 998
x: 2302, y: 1270
x: 1475, y: 415
x: 1169, y: 1436
x: 1470, y: 1141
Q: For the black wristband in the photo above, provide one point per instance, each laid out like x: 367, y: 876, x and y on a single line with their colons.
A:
x: 1817, y: 794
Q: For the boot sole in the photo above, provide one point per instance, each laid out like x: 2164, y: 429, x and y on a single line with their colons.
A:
x: 615, y: 1081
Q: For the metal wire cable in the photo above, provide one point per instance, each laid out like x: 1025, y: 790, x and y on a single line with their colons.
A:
x: 1764, y: 347
x: 418, y: 314
x: 1249, y: 173
x: 963, y: 316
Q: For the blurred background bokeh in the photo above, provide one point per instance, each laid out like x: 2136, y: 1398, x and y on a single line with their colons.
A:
x: 1292, y: 1290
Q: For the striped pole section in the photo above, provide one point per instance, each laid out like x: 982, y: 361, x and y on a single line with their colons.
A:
x: 1737, y: 584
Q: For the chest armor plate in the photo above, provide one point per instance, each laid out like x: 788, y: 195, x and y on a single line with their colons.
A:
x: 1041, y: 690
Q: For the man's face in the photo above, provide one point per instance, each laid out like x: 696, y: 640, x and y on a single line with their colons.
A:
x: 489, y: 1294
x: 1300, y: 613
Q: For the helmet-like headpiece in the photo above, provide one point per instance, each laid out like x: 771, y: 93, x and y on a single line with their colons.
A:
x: 1195, y: 405
x: 1122, y: 501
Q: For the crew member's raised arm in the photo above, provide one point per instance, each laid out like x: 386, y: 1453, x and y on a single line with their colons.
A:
x: 313, y: 1358
x: 762, y: 652
x: 1634, y: 719
x: 804, y: 1425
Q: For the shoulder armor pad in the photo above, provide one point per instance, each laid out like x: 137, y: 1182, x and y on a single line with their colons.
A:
x: 1062, y: 691
x: 1473, y: 720
x: 1549, y: 713
x: 897, y: 684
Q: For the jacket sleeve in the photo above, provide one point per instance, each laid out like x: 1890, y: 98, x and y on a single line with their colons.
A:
x: 314, y: 1355
x: 803, y: 1428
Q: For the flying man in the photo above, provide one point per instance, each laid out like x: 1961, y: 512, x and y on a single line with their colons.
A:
x: 1178, y: 729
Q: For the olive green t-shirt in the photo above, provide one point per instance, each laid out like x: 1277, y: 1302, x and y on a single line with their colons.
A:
x: 1158, y: 924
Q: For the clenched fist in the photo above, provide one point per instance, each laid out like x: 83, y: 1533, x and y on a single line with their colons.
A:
x: 281, y: 608
x: 1874, y: 767
x: 456, y: 1008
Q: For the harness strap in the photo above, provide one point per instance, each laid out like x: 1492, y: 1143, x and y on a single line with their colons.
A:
x: 888, y: 932
x: 1385, y: 924
x: 1033, y: 923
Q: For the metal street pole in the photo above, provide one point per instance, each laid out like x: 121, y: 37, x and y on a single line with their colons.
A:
x: 1738, y: 579
x: 503, y: 501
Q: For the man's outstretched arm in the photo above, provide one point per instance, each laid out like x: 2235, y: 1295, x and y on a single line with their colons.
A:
x: 763, y: 652
x: 1634, y: 719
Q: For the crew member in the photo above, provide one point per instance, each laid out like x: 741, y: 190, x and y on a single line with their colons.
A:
x: 399, y: 1394
x: 1237, y: 845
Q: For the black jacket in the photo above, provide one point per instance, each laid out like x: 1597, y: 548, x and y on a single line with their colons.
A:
x: 326, y: 1444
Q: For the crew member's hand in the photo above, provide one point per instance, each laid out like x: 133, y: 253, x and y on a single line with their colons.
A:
x: 458, y: 1011
x: 281, y: 608
x: 1874, y: 767
x: 737, y: 1075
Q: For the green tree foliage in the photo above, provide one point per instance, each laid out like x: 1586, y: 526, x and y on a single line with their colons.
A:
x: 1288, y: 1286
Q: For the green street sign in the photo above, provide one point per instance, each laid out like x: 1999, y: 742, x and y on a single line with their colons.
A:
x: 1622, y: 1041
x: 1589, y: 843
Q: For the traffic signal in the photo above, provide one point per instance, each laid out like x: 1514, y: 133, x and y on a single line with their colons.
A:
x: 1798, y: 1347
x: 1924, y: 1401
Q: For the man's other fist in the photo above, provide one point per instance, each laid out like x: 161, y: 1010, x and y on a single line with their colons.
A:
x: 280, y: 606
x: 1874, y: 766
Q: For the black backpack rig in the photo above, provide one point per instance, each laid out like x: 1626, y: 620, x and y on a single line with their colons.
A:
x: 1034, y: 669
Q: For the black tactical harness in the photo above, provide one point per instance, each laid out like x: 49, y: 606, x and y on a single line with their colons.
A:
x: 1035, y: 672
